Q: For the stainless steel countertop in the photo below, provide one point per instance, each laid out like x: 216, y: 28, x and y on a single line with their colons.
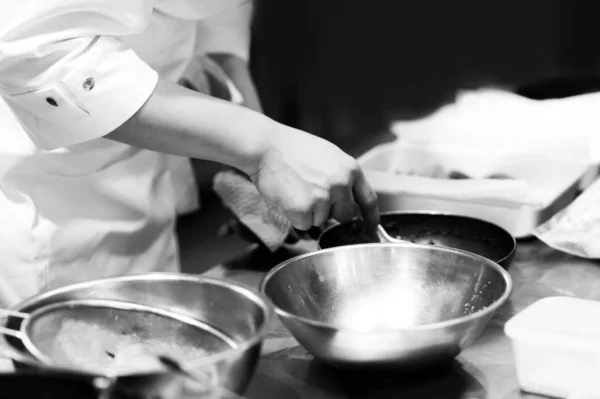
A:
x: 486, y: 370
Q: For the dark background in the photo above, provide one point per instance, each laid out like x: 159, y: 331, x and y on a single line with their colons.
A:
x: 343, y: 69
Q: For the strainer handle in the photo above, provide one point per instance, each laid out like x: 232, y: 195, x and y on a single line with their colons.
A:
x: 9, y: 331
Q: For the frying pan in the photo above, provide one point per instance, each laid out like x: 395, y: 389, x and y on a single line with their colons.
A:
x: 433, y: 228
x: 49, y: 384
x: 54, y: 383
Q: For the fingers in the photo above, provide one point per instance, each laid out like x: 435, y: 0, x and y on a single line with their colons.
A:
x: 314, y: 211
x: 309, y: 210
x: 349, y: 197
x: 321, y: 212
x: 302, y: 218
x: 366, y: 199
x: 343, y: 209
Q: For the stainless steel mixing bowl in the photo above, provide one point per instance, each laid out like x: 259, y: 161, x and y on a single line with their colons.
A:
x: 386, y: 305
x: 233, y: 310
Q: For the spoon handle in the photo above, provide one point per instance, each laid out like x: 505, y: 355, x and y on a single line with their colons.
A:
x: 385, y: 237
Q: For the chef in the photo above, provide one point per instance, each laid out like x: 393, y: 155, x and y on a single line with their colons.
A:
x: 97, y: 135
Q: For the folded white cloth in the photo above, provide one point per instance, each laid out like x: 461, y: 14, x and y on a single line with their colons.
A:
x: 498, y: 121
x: 267, y: 221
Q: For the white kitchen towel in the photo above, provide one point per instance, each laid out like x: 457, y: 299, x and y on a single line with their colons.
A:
x: 498, y: 121
x: 576, y: 229
x: 267, y: 221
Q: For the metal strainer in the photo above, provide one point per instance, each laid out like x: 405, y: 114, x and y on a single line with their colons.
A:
x: 89, y: 334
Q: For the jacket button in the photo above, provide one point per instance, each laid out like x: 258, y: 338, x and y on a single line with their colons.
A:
x: 88, y: 84
x: 52, y: 101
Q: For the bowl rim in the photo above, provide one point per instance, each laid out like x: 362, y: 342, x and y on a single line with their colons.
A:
x: 442, y: 214
x: 248, y: 292
x: 443, y: 324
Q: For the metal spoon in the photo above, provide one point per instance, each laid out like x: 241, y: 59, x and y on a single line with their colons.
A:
x: 385, y: 237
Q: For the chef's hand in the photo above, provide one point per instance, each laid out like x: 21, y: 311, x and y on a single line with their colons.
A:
x: 239, y: 72
x: 312, y: 179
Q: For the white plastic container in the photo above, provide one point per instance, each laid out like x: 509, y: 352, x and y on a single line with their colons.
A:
x: 553, y: 182
x: 556, y: 343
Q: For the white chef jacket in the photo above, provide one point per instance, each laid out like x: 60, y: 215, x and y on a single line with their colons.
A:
x: 73, y: 205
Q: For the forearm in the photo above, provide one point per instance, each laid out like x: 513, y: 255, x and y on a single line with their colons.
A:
x: 237, y: 70
x: 179, y: 121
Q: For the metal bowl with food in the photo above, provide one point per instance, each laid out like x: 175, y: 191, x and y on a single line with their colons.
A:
x: 214, y: 327
x: 386, y: 305
x: 432, y: 228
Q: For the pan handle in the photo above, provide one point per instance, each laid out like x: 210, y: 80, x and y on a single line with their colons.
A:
x: 9, y: 331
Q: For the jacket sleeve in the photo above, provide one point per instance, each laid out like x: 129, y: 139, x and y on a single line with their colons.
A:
x: 64, y: 72
x: 227, y: 31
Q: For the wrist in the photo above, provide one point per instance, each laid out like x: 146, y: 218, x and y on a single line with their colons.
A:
x: 257, y: 145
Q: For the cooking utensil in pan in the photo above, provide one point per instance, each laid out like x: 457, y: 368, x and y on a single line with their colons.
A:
x: 432, y: 228
x: 385, y: 237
